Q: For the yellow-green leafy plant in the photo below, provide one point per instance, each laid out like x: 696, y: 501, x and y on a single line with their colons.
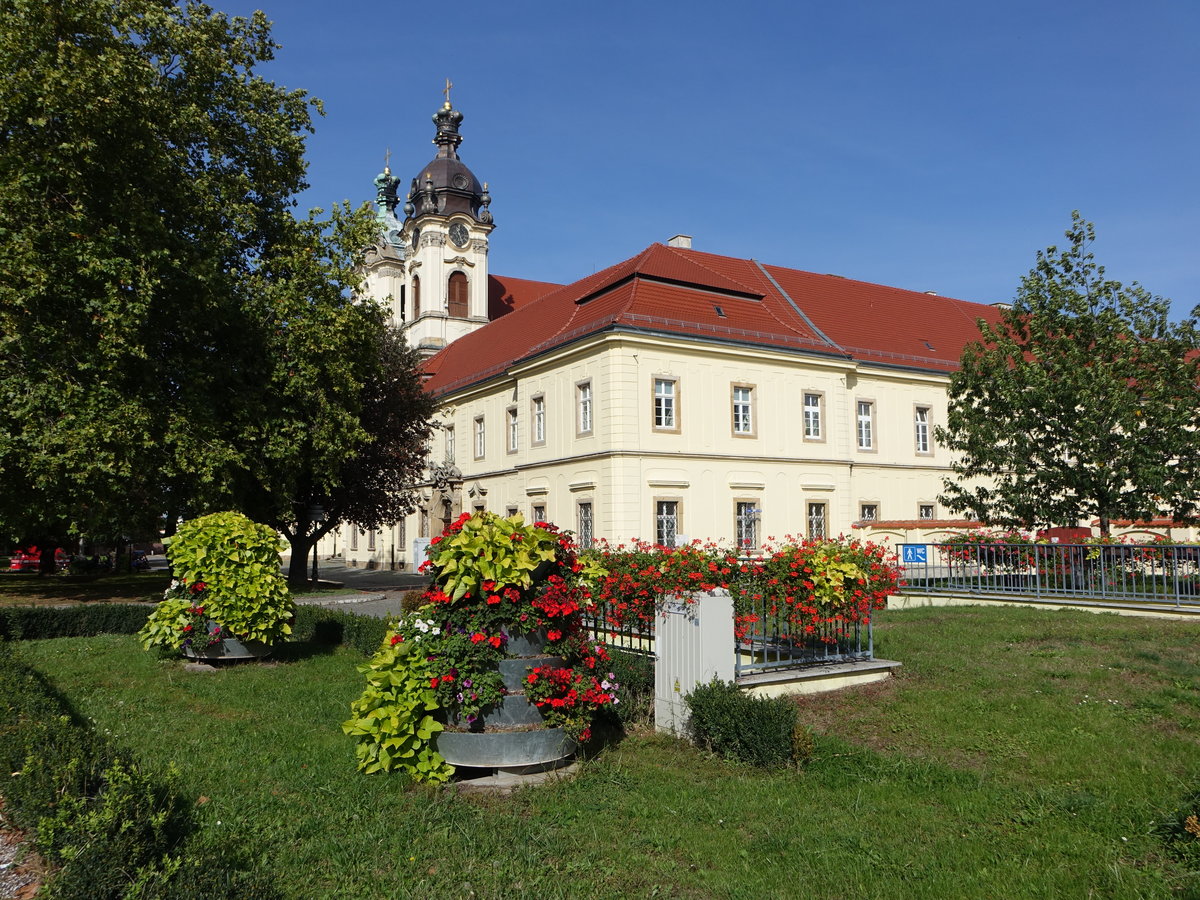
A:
x: 393, y: 718
x: 230, y: 566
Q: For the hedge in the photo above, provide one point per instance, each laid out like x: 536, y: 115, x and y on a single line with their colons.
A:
x: 323, y: 625
x: 110, y: 827
x: 82, y: 620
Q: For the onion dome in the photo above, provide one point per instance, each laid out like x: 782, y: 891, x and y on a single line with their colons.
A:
x: 446, y: 186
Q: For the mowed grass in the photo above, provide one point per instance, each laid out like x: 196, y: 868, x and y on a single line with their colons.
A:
x: 31, y: 589
x: 1019, y: 753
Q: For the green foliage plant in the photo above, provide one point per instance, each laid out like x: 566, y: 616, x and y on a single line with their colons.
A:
x: 755, y: 730
x: 228, y: 568
x: 394, y: 720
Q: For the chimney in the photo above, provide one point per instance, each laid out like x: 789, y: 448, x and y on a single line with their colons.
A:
x: 682, y: 241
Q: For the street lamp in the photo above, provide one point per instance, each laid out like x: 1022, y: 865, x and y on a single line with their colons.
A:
x: 316, y: 515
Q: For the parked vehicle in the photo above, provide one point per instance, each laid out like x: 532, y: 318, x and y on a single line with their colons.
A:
x: 29, y: 560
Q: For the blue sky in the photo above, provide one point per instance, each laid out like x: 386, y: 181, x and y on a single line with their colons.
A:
x: 924, y: 144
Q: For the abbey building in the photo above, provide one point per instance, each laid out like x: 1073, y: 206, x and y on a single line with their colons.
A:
x: 674, y: 395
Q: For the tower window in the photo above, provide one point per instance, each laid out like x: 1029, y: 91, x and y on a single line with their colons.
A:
x: 416, y: 296
x: 456, y: 305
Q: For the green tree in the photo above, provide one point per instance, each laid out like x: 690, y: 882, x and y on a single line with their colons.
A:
x: 1079, y: 402
x: 172, y: 336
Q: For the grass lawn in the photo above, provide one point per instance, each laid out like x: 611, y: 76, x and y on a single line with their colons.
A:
x: 31, y: 589
x: 1019, y: 753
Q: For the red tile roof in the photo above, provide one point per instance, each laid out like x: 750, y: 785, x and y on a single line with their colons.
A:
x: 702, y: 295
x: 506, y: 294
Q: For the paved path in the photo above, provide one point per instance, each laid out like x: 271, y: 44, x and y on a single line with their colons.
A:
x: 380, y: 590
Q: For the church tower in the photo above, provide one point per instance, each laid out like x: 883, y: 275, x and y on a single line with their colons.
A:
x: 444, y: 241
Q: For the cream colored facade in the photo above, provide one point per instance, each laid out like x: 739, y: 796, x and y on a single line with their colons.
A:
x: 796, y: 480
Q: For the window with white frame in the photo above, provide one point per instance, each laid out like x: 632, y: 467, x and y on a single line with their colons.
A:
x: 371, y: 539
x: 745, y: 524
x: 510, y: 511
x: 584, y: 524
x: 539, y: 420
x: 812, y: 417
x: 868, y: 512
x: 423, y: 524
x: 666, y: 522
x: 353, y: 537
x: 449, y: 443
x: 512, y: 429
x: 480, y: 438
x: 665, y: 413
x: 816, y: 521
x: 925, y: 511
x: 583, y: 400
x: 921, y: 428
x: 743, y: 410
x: 539, y: 512
x: 866, y: 425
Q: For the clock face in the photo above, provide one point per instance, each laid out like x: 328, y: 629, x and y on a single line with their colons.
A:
x: 458, y: 234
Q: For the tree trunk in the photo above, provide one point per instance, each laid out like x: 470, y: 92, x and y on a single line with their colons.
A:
x: 1105, y: 524
x: 302, y: 545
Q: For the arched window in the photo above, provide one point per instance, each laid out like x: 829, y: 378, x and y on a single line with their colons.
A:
x: 456, y: 306
x: 416, y: 298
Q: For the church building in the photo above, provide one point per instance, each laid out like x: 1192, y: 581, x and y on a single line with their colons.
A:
x: 678, y: 394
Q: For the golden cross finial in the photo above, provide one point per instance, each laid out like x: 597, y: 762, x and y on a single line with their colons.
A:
x: 387, y: 161
x: 449, y: 84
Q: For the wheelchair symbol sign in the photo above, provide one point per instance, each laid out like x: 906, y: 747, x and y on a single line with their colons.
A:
x: 914, y: 553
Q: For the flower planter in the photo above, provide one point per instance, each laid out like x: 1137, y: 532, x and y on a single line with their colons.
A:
x: 505, y: 750
x: 230, y: 649
x: 511, y: 737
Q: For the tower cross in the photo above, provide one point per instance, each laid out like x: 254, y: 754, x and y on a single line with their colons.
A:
x: 446, y: 91
x: 387, y: 160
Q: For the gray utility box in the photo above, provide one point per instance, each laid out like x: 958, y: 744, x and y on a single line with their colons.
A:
x: 694, y: 644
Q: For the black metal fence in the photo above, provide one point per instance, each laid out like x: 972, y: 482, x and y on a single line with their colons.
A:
x: 1107, y: 573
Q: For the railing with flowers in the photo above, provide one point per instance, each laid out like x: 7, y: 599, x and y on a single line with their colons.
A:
x: 1100, y: 570
x: 796, y: 603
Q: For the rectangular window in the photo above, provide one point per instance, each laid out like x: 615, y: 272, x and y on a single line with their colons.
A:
x: 403, y: 532
x: 745, y: 525
x: 666, y: 522
x: 921, y: 428
x: 353, y: 537
x: 510, y: 511
x: 812, y: 417
x: 584, y: 525
x: 371, y: 539
x: 743, y: 410
x: 868, y: 512
x: 539, y: 512
x: 866, y: 425
x: 423, y: 526
x: 449, y: 443
x: 539, y: 420
x: 583, y: 399
x: 480, y: 438
x: 665, y: 417
x: 925, y: 511
x: 816, y: 521
x: 512, y: 429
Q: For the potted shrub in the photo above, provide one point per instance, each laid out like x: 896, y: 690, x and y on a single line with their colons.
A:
x: 229, y: 598
x: 507, y: 677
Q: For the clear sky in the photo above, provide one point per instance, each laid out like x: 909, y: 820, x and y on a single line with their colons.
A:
x: 928, y: 144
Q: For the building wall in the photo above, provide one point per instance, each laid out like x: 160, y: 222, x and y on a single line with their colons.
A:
x: 625, y: 464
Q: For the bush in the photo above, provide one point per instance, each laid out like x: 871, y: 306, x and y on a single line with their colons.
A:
x: 106, y: 824
x: 735, y: 725
x: 32, y: 623
x: 332, y: 627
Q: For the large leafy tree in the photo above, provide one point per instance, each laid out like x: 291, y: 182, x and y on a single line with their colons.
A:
x: 172, y: 336
x: 1080, y: 402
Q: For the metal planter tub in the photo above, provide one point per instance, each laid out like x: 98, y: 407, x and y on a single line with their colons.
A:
x: 505, y: 750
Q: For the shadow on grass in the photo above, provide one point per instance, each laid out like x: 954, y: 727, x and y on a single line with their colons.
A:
x: 298, y: 651
x: 30, y: 587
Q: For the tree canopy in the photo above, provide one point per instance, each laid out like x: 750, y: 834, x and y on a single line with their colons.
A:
x: 1081, y: 402
x: 172, y: 335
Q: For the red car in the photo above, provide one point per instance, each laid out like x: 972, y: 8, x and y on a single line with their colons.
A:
x: 27, y: 560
